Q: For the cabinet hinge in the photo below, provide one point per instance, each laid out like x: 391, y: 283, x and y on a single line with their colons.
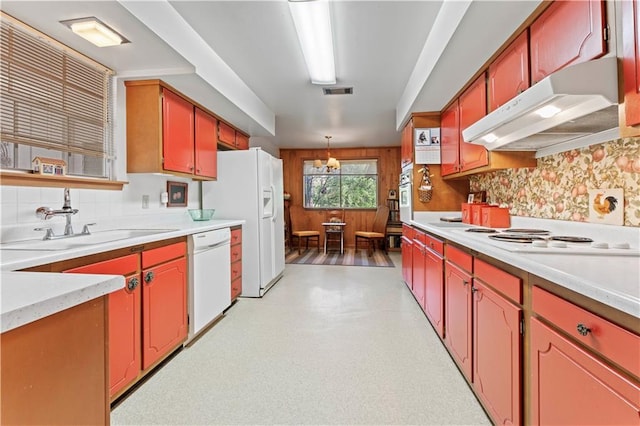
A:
x: 522, y: 326
x: 605, y: 33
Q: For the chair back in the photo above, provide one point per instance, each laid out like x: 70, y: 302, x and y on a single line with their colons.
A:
x: 380, y: 221
x: 335, y: 216
x: 299, y: 220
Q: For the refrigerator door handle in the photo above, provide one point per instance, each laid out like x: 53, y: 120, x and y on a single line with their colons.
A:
x: 274, y: 210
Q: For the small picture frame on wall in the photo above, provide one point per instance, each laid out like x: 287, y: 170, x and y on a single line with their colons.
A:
x: 178, y: 192
x: 477, y: 197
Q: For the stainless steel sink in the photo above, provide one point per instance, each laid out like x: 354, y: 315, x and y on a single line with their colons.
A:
x: 81, y: 240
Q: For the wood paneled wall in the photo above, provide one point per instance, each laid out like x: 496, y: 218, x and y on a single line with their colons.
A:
x: 357, y: 220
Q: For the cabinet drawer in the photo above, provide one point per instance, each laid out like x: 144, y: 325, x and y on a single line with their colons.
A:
x: 236, y: 270
x: 407, y: 231
x: 613, y: 342
x: 434, y: 244
x: 236, y: 252
x: 500, y: 280
x: 121, y: 265
x: 236, y: 236
x: 459, y: 258
x: 163, y: 254
x: 236, y: 288
x: 419, y: 236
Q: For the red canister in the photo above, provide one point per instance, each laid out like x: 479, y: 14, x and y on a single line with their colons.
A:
x: 495, y: 217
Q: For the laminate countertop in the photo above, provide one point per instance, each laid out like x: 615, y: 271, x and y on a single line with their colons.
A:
x: 611, y: 280
x: 29, y: 296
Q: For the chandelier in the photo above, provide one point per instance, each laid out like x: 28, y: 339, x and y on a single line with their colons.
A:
x: 331, y: 164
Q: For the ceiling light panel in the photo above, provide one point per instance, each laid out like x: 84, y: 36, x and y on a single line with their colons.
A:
x: 95, y: 31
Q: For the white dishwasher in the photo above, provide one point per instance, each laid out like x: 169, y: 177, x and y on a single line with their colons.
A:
x: 209, y: 278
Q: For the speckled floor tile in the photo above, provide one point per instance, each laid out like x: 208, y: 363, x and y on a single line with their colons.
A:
x: 326, y: 345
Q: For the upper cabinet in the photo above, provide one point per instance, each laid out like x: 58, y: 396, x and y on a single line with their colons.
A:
x: 450, y: 139
x: 231, y: 138
x: 169, y: 133
x: 509, y: 73
x: 568, y: 32
x: 473, y: 106
x: 406, y: 144
x: 631, y: 62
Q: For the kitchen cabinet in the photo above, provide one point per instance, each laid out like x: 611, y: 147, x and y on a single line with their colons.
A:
x: 450, y: 139
x: 236, y: 262
x: 205, y: 144
x: 418, y: 259
x: 571, y: 386
x: 124, y: 320
x: 567, y: 33
x: 242, y: 141
x: 458, y: 308
x: 168, y: 133
x: 497, y: 343
x: 164, y: 301
x: 55, y: 368
x: 434, y: 283
x: 630, y: 17
x: 508, y: 74
x: 406, y: 144
x: 472, y: 106
x: 231, y: 138
x: 407, y: 255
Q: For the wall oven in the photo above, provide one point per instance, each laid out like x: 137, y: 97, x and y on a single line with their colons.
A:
x: 406, y: 193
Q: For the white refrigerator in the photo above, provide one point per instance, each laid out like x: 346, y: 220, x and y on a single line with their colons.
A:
x: 250, y: 187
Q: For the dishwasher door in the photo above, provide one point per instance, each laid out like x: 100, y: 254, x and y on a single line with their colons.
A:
x: 210, y: 278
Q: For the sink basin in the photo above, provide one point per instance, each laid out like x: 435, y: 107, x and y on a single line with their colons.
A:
x: 81, y: 240
x: 450, y: 225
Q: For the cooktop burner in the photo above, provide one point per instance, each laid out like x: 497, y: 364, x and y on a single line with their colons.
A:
x: 482, y: 230
x: 527, y: 231
x: 568, y: 239
x: 515, y: 238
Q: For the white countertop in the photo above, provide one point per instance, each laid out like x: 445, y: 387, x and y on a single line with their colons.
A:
x: 29, y: 296
x: 611, y: 280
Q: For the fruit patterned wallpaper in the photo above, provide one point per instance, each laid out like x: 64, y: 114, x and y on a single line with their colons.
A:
x: 558, y: 187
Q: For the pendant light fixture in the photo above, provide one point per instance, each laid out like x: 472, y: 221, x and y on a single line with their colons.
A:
x: 332, y: 164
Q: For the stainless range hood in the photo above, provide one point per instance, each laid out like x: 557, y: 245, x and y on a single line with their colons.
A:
x: 575, y: 106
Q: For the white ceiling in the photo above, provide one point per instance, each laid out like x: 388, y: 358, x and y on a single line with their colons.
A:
x: 241, y: 59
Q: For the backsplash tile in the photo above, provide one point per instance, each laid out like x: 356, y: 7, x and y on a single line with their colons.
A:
x: 557, y: 187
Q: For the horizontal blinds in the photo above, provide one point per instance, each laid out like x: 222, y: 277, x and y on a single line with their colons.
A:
x: 50, y: 98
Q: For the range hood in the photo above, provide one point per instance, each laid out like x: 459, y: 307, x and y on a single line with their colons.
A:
x: 575, y: 106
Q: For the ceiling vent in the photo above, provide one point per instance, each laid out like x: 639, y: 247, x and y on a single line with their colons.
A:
x: 337, y: 90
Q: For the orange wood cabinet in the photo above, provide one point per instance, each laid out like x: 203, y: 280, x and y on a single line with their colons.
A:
x: 509, y: 72
x: 167, y: 134
x: 631, y: 61
x: 571, y: 386
x: 473, y: 106
x: 419, y: 261
x: 406, y: 144
x: 497, y: 346
x: 231, y: 138
x: 242, y: 141
x: 205, y: 144
x: 164, y: 301
x: 124, y: 320
x: 434, y: 283
x: 450, y: 139
x: 457, y: 308
x: 53, y: 369
x: 567, y: 33
x: 407, y: 255
x: 236, y: 262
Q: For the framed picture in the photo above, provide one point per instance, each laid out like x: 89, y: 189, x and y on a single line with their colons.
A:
x: 422, y: 136
x: 477, y: 197
x: 177, y: 194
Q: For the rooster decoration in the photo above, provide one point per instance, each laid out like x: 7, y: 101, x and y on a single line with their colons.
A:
x: 604, y: 206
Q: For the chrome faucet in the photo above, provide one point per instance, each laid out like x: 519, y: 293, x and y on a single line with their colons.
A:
x: 67, y: 211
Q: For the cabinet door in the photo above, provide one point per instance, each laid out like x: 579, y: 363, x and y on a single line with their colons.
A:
x: 242, y: 142
x: 631, y: 60
x: 226, y: 134
x: 124, y: 320
x: 496, y: 354
x: 434, y: 290
x: 457, y: 311
x: 571, y: 386
x: 509, y: 73
x: 407, y: 261
x: 206, y: 144
x: 177, y: 133
x: 567, y: 33
x: 406, y: 144
x: 450, y: 140
x: 472, y: 107
x: 164, y: 309
x: 418, y: 272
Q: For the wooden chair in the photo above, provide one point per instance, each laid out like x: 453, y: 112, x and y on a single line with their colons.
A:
x: 301, y: 229
x: 377, y: 231
x: 334, y: 232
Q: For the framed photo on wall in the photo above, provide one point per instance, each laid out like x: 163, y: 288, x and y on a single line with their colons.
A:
x: 178, y: 192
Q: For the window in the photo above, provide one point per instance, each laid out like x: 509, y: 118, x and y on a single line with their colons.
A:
x: 55, y: 104
x: 353, y: 186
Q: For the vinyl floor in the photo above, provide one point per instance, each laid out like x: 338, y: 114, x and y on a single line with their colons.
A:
x: 327, y: 345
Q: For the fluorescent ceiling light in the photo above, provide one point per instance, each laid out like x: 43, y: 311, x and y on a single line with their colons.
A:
x: 313, y: 25
x: 95, y: 31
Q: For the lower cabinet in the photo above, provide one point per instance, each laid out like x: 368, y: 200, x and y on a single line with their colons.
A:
x: 418, y: 260
x: 434, y: 285
x: 147, y: 318
x: 406, y: 248
x: 571, y: 386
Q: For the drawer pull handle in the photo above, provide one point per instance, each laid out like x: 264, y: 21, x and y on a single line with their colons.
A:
x: 132, y: 284
x: 148, y: 277
x: 583, y: 329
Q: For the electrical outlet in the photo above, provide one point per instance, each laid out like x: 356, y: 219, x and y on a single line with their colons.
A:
x: 145, y: 201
